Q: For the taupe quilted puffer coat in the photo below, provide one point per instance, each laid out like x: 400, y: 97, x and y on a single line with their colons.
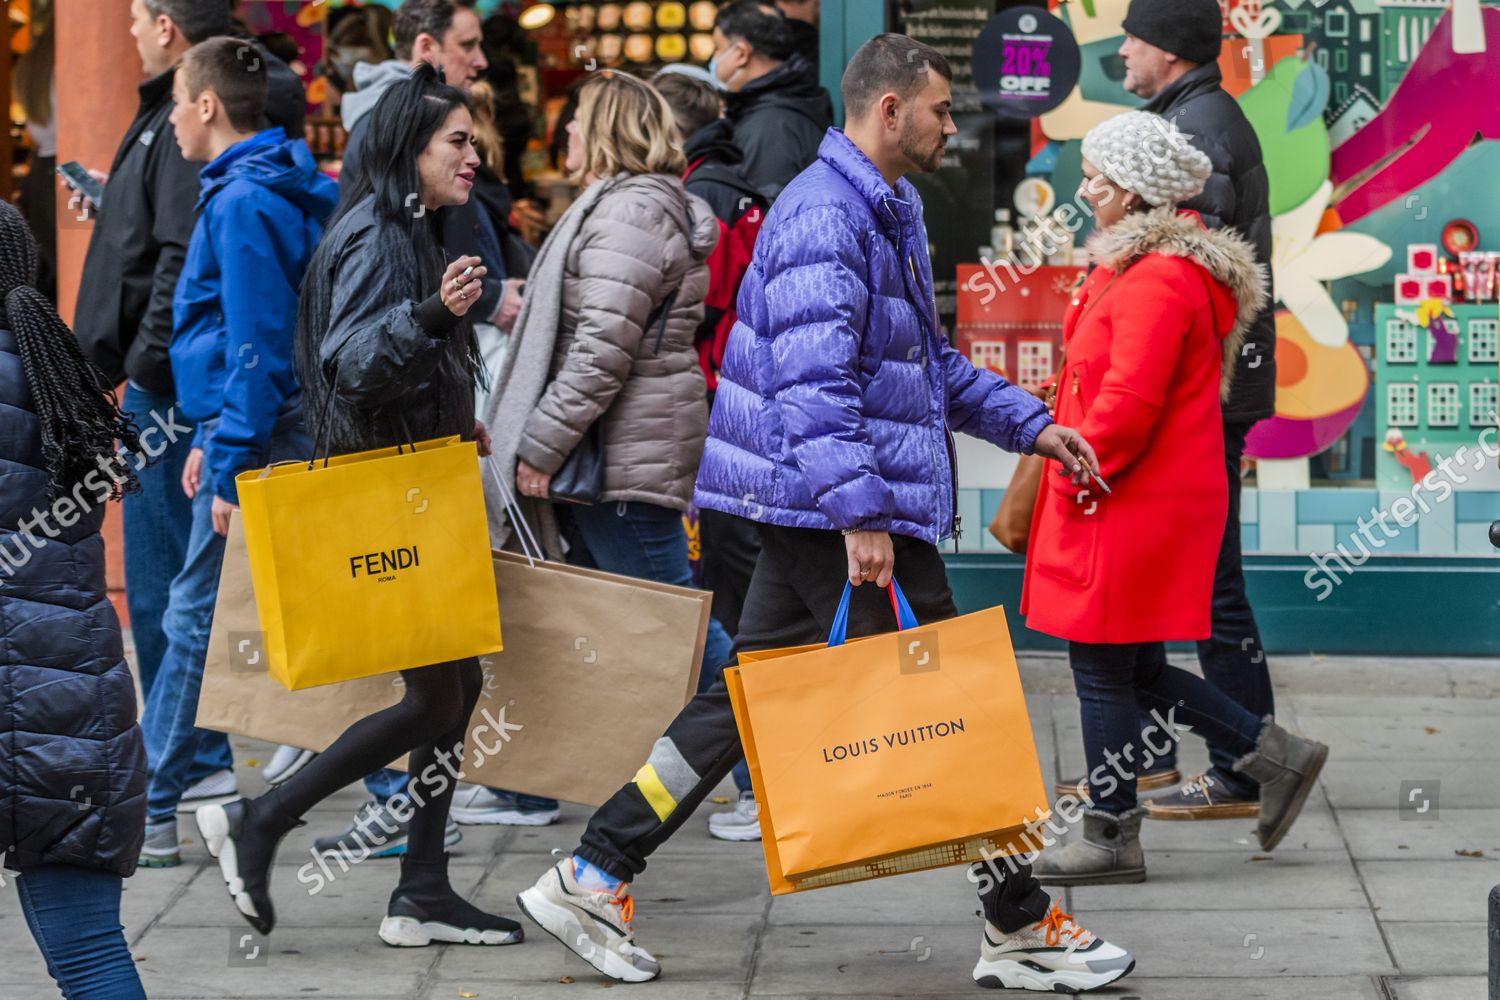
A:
x: 644, y: 239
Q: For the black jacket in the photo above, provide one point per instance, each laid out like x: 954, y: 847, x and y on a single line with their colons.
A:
x: 779, y: 121
x: 124, y: 315
x: 1237, y: 196
x: 716, y: 171
x: 387, y: 365
x: 72, y: 760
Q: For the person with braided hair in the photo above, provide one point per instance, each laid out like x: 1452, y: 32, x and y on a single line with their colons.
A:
x: 72, y: 761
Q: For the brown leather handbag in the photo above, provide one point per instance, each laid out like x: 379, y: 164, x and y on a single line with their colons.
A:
x: 1012, y: 523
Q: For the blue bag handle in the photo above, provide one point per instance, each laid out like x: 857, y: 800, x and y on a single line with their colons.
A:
x: 905, y: 619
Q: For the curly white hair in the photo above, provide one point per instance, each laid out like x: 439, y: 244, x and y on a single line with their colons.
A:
x: 1149, y: 155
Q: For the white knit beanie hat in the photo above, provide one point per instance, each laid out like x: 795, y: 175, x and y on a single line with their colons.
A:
x: 1149, y: 155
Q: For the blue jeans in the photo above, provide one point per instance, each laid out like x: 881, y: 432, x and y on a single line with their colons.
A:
x: 172, y: 741
x: 1113, y: 683
x: 1232, y: 658
x: 156, y: 525
x: 647, y: 541
x: 74, y: 915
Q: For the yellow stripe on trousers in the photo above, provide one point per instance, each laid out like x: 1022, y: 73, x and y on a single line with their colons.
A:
x: 656, y: 793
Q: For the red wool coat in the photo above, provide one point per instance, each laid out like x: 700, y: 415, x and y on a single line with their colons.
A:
x: 1150, y: 341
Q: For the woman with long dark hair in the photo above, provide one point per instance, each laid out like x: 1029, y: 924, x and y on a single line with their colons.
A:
x: 72, y: 761
x: 386, y: 355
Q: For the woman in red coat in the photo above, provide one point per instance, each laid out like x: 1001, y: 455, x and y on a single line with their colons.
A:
x: 1150, y: 343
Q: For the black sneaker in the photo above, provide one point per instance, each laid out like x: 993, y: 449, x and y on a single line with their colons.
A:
x: 425, y: 908
x: 1202, y: 797
x: 244, y: 856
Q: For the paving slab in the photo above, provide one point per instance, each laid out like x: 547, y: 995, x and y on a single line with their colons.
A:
x: 1388, y: 783
x: 1246, y: 943
x: 1431, y: 890
x: 1438, y: 988
x: 1439, y: 949
x: 1203, y: 881
x: 1386, y: 835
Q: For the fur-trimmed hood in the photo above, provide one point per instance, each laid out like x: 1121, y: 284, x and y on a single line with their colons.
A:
x: 1227, y: 258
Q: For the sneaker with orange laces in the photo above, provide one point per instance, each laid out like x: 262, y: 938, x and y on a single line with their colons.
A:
x: 1053, y: 955
x: 593, y: 924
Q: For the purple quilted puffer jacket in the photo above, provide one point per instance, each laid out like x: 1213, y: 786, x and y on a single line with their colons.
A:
x: 838, y: 387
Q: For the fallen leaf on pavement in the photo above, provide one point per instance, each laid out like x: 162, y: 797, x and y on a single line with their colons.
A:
x: 1432, y: 729
x: 721, y: 800
x: 1469, y: 854
x: 566, y: 979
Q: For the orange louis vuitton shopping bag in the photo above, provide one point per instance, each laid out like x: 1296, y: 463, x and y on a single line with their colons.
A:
x: 894, y: 753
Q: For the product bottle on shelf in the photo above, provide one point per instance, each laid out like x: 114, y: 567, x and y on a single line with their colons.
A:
x: 1003, y: 236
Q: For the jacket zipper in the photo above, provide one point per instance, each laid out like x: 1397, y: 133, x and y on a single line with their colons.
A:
x: 911, y: 265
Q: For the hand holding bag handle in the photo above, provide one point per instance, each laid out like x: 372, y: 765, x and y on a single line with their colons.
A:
x: 905, y: 618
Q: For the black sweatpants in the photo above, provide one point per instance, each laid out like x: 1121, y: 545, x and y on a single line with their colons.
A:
x: 794, y: 592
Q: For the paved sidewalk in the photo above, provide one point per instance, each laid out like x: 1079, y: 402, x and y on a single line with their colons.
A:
x: 1367, y: 899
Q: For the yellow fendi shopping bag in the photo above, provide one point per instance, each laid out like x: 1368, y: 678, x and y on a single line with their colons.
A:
x: 370, y: 562
x: 890, y: 754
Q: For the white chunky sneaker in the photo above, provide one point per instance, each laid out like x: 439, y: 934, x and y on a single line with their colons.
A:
x: 476, y: 805
x: 216, y: 789
x: 594, y: 925
x: 740, y: 823
x: 285, y: 762
x: 1054, y: 955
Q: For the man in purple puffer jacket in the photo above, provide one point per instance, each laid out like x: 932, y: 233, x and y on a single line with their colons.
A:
x: 830, y: 429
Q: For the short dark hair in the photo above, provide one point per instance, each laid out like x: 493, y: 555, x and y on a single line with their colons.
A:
x: 235, y: 70
x: 886, y: 64
x: 423, y: 17
x: 694, y: 103
x: 761, y: 24
x: 198, y: 20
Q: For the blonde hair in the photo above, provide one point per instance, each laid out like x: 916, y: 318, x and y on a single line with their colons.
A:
x: 487, y: 138
x: 626, y: 125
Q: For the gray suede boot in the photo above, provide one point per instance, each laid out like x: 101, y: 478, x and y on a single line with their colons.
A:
x: 1109, y: 853
x: 1287, y: 768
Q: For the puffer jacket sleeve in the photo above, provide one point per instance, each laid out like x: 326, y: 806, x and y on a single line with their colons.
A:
x: 380, y: 343
x: 621, y: 276
x: 985, y: 405
x: 817, y: 304
x: 1217, y: 201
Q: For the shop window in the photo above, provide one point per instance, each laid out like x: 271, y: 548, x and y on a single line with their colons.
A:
x: 1484, y: 340
x: 1484, y: 401
x: 1366, y: 30
x: 1400, y: 343
x: 1336, y: 24
x: 1401, y: 404
x: 1035, y: 362
x: 1366, y: 64
x: 1341, y: 61
x: 1442, y: 404
x: 988, y: 354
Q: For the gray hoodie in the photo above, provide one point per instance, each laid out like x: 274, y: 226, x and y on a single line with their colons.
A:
x: 371, y: 80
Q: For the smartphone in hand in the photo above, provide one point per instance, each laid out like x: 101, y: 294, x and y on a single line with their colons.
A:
x: 77, y: 177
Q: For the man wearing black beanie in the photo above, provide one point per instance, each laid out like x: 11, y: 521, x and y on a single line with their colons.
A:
x: 1171, y: 55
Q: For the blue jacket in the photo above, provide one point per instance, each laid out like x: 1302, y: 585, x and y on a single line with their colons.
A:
x: 72, y: 760
x: 838, y: 386
x: 260, y: 216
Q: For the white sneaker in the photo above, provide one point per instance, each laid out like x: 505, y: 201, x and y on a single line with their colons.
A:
x: 481, y: 806
x: 595, y: 926
x: 285, y: 762
x: 216, y: 789
x: 1054, y: 955
x: 740, y: 823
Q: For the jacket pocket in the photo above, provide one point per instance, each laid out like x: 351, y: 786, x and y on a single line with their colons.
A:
x: 1068, y: 548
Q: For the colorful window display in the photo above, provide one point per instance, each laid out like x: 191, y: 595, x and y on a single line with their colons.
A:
x: 1381, y: 156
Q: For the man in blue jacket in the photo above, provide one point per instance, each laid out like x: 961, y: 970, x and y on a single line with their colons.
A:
x: 260, y: 215
x: 831, y: 430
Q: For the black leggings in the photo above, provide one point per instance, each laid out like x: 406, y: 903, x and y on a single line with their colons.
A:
x: 429, y: 722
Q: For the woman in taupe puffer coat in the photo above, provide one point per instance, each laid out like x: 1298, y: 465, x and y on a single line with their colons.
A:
x: 606, y: 336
